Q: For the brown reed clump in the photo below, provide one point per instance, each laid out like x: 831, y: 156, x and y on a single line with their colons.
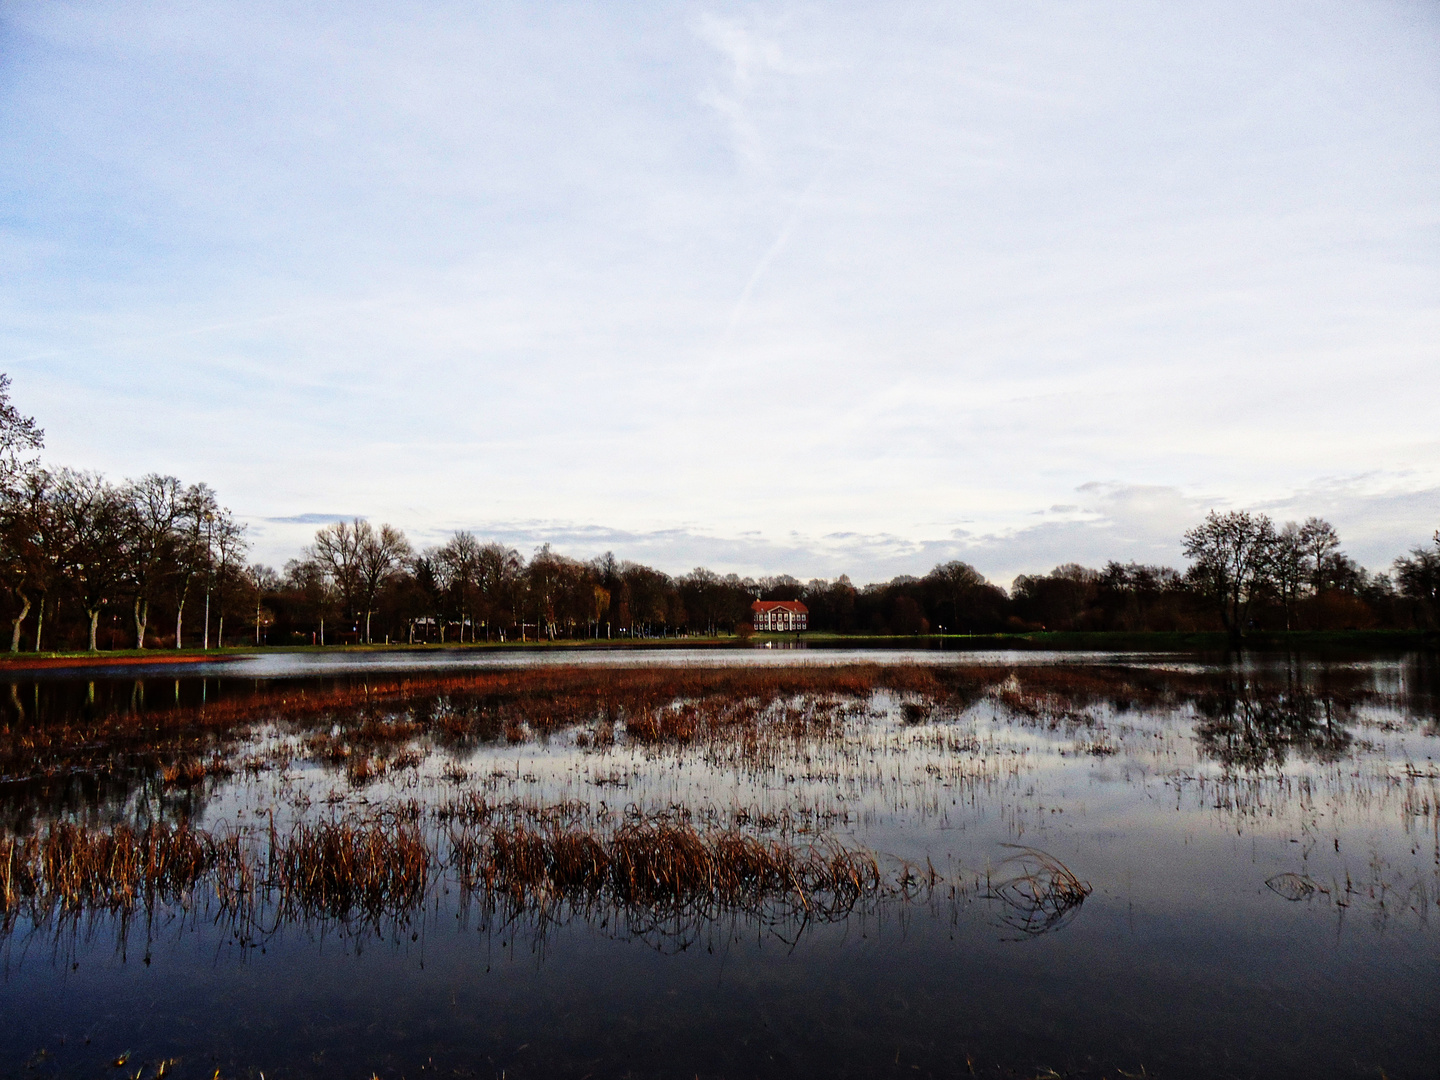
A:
x: 362, y: 770
x: 331, y: 869
x: 660, y: 871
x: 1039, y: 892
x: 19, y: 870
x: 662, y: 865
x: 73, y: 867
x: 334, y: 869
x: 191, y: 771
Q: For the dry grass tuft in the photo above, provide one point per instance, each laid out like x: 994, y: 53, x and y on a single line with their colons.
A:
x: 1039, y: 892
x: 336, y: 869
x: 661, y: 865
x: 191, y: 771
x: 74, y: 867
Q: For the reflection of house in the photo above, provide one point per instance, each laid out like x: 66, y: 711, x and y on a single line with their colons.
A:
x: 779, y: 615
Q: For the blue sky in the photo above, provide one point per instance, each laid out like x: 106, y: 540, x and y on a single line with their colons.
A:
x: 817, y: 288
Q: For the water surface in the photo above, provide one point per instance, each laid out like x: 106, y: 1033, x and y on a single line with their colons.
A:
x: 1259, y: 835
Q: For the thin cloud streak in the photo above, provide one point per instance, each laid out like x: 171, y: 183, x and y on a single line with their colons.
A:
x: 538, y: 264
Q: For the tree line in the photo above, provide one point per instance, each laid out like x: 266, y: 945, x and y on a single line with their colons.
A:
x: 155, y: 562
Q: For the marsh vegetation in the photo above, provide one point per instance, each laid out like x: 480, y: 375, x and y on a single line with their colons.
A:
x: 615, y: 830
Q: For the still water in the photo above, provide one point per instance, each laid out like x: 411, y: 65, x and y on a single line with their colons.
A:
x: 1260, y: 840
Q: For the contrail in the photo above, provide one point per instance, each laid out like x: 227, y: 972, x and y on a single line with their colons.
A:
x: 774, y: 249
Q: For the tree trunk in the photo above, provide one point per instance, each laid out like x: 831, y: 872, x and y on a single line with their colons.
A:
x: 220, y: 632
x: 94, y: 614
x: 179, y: 622
x: 19, y: 620
x: 205, y: 637
x: 39, y: 622
x: 367, y: 627
x: 142, y: 616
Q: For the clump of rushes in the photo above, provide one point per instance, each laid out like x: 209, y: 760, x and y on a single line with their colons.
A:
x: 334, y: 869
x: 662, y: 865
x: 1038, y: 891
x: 191, y: 771
x: 73, y: 867
x: 331, y: 870
x: 382, y: 868
x: 362, y: 770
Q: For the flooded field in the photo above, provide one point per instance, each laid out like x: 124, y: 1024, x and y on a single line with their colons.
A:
x: 725, y: 865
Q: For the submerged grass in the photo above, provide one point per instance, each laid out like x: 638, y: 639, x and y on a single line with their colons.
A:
x: 384, y: 867
x: 334, y: 869
x: 72, y: 867
x: 362, y: 724
x: 663, y: 864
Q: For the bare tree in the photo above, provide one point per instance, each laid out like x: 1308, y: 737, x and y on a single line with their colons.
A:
x: 966, y: 589
x: 459, y: 562
x: 308, y: 579
x: 542, y: 577
x: 380, y: 554
x: 154, y: 506
x: 29, y: 546
x: 190, y: 555
x: 1418, y: 576
x: 1321, y: 544
x: 226, y: 544
x: 261, y: 579
x: 649, y: 593
x: 336, y: 552
x: 24, y: 487
x: 1232, y: 555
x: 498, y: 570
x: 1288, y: 567
x: 704, y: 593
x: 91, y: 525
x: 20, y: 439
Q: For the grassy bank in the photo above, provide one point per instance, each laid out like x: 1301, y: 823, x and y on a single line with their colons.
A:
x: 124, y: 657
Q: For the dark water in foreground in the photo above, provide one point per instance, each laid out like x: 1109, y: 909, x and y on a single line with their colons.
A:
x: 1262, y: 841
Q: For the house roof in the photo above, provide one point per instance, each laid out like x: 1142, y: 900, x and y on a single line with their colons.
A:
x: 796, y: 606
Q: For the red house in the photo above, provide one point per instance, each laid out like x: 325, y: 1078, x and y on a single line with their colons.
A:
x: 779, y: 615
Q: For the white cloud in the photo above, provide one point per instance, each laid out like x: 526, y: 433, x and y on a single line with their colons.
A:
x: 841, y: 279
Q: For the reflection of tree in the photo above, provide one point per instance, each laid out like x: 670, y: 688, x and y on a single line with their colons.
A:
x: 1421, y: 696
x: 1246, y: 728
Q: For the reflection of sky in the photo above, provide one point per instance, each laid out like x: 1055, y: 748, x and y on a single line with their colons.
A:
x: 1388, y: 674
x: 1181, y: 960
x: 1018, y: 284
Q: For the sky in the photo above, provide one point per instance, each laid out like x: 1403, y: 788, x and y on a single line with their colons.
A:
x: 809, y: 288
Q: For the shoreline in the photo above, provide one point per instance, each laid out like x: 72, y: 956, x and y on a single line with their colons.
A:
x: 128, y: 658
x: 1060, y: 641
